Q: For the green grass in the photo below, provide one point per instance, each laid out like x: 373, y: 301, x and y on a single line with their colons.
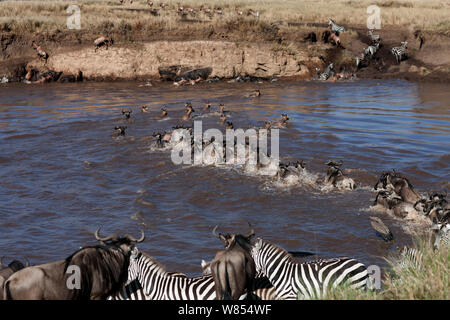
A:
x: 431, y: 282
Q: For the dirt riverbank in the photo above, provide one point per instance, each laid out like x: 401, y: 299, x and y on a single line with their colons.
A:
x: 228, y: 53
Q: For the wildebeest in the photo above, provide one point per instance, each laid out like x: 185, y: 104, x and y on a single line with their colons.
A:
x: 7, y: 271
x: 335, y: 177
x: 394, y: 204
x: 399, y: 184
x: 103, y: 41
x: 119, y: 131
x: 290, y: 171
x: 91, y: 272
x: 127, y: 113
x: 282, y: 122
x: 233, y: 269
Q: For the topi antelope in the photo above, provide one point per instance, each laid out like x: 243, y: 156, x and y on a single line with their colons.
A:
x: 103, y: 41
x: 252, y: 12
x: 41, y: 53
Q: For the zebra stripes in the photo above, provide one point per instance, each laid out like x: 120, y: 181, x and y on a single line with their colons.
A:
x: 329, y: 72
x: 335, y: 28
x: 158, y: 284
x: 306, y: 280
x: 400, y: 52
x: 150, y: 281
x: 442, y: 235
x: 132, y: 291
x: 410, y: 258
x: 375, y: 38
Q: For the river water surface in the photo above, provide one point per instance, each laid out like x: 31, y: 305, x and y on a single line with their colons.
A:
x: 62, y: 175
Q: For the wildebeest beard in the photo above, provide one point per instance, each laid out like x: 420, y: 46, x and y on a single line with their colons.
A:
x: 103, y: 268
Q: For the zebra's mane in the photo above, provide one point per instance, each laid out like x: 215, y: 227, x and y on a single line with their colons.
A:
x: 280, y: 249
x: 291, y: 259
x: 163, y: 271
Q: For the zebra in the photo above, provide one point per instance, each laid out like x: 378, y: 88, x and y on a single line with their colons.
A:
x: 132, y: 291
x: 400, y: 52
x: 159, y: 284
x: 148, y: 280
x: 442, y: 234
x: 375, y: 38
x: 305, y: 280
x: 410, y: 258
x: 371, y: 50
x: 328, y: 72
x: 335, y: 28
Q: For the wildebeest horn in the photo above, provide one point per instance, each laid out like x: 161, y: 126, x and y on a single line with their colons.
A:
x: 220, y: 236
x: 215, y: 233
x: 114, y: 236
x: 252, y: 231
x: 133, y: 239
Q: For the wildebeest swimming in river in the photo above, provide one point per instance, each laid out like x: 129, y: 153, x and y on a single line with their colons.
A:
x: 92, y: 272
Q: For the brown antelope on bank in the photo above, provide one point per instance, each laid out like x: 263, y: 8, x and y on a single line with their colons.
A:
x: 103, y: 41
x: 41, y: 53
x: 252, y: 12
x: 335, y: 39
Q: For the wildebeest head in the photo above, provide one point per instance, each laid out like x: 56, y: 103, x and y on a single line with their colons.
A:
x: 333, y: 171
x: 126, y: 243
x: 7, y: 270
x: 127, y: 113
x: 229, y: 240
x: 120, y: 130
x: 233, y: 269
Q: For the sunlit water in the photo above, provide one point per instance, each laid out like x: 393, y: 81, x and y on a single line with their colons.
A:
x: 62, y: 175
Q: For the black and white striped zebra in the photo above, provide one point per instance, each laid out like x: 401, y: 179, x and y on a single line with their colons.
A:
x: 442, y: 234
x: 132, y: 291
x: 374, y: 38
x: 306, y: 280
x: 410, y: 258
x: 328, y: 72
x: 371, y: 50
x: 159, y: 284
x: 335, y: 28
x: 400, y: 52
x: 150, y: 281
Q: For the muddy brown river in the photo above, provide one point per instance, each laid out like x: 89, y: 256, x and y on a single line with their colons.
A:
x: 62, y: 175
